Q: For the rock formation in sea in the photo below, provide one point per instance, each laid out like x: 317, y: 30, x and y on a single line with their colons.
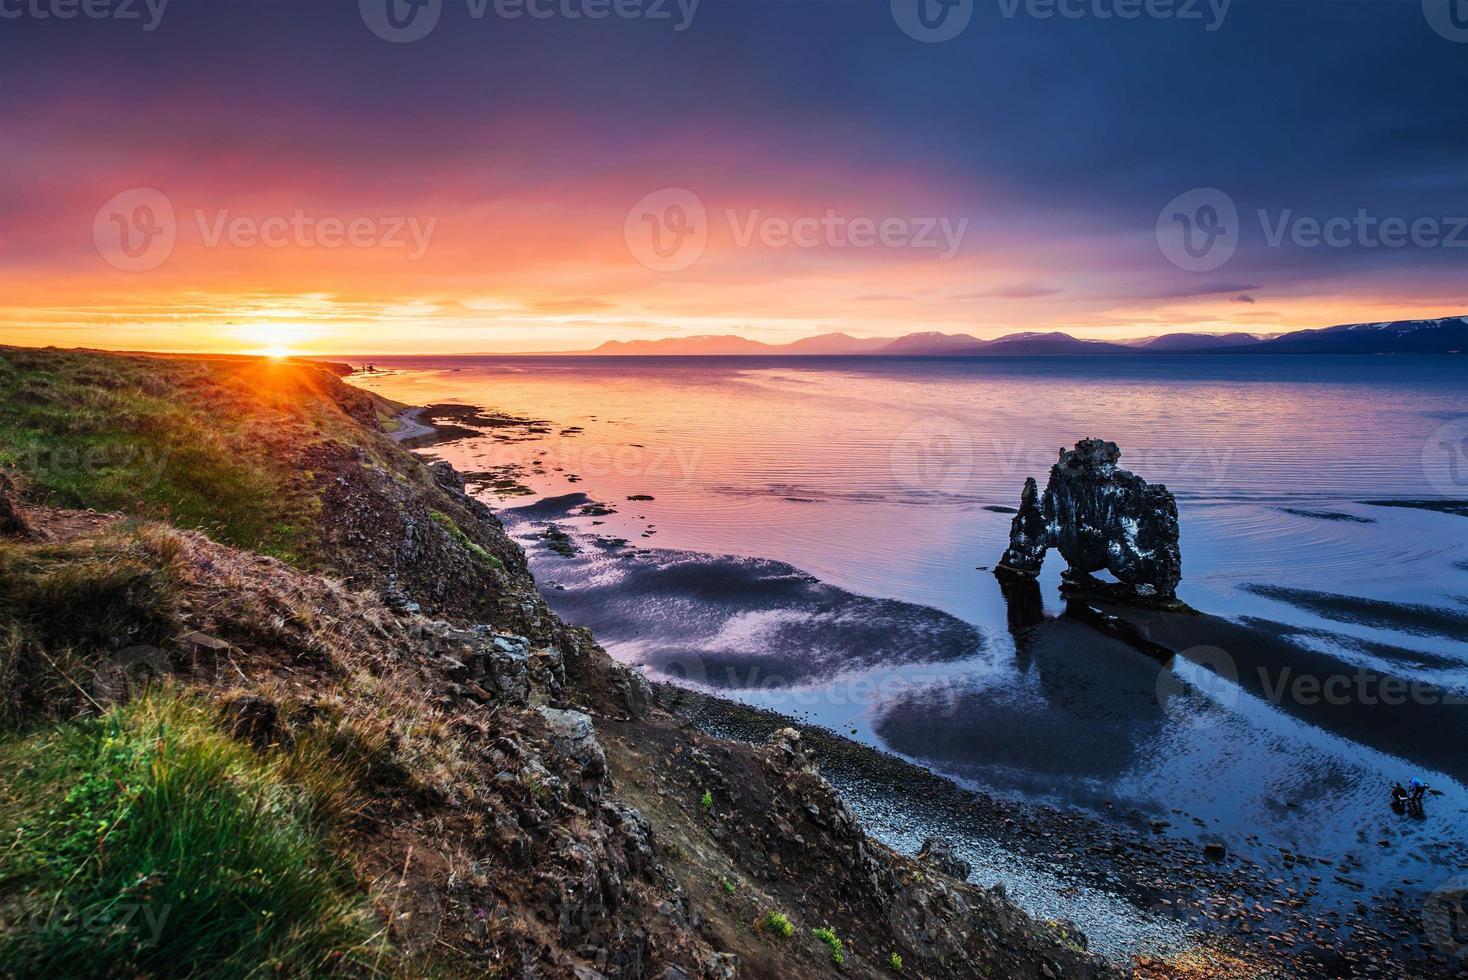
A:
x: 1098, y: 516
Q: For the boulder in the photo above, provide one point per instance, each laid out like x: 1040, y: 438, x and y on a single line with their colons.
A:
x: 574, y: 736
x: 941, y: 858
x: 1098, y: 516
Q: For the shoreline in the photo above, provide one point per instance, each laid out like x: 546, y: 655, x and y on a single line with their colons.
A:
x: 411, y: 428
x: 1219, y: 904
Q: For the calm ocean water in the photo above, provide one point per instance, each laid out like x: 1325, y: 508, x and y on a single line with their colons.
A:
x: 817, y: 528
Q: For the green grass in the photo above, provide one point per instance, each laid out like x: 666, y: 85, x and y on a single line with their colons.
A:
x: 210, y: 444
x: 147, y: 842
x: 828, y: 936
x: 894, y: 962
x: 706, y: 800
x: 457, y: 533
x: 63, y: 606
x: 777, y: 924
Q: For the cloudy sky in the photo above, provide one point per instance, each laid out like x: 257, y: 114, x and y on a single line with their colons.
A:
x: 362, y: 176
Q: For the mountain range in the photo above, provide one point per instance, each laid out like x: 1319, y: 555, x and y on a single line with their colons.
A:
x: 1444, y: 335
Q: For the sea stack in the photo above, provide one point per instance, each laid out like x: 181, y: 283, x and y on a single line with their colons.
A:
x: 1099, y: 516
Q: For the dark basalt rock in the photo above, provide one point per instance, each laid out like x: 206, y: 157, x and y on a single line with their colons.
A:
x: 1099, y: 516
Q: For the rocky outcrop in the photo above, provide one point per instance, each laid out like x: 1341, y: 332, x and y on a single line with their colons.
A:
x: 12, y: 525
x: 1098, y: 516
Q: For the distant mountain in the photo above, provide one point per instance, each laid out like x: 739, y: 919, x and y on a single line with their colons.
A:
x: 1021, y: 344
x: 1445, y: 335
x: 728, y: 344
x: 835, y: 343
x: 724, y: 344
x: 932, y: 343
x: 1183, y: 342
x: 1015, y: 344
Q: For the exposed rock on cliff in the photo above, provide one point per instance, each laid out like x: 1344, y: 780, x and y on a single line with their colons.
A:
x: 11, y: 523
x: 1099, y: 516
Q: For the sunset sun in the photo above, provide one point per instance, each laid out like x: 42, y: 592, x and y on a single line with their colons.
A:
x: 274, y: 340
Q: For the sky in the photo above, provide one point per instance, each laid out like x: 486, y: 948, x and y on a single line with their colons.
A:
x: 392, y: 176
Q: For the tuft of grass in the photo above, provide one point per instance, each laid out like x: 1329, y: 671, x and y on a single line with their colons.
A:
x: 62, y: 606
x: 727, y: 886
x: 894, y: 962
x: 457, y: 533
x: 828, y: 936
x: 776, y: 924
x: 706, y: 800
x: 148, y: 842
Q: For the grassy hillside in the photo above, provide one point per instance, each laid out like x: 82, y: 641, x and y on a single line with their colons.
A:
x: 213, y: 444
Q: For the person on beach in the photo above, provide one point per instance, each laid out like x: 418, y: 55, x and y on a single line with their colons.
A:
x: 1399, y: 797
x: 1419, y: 790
